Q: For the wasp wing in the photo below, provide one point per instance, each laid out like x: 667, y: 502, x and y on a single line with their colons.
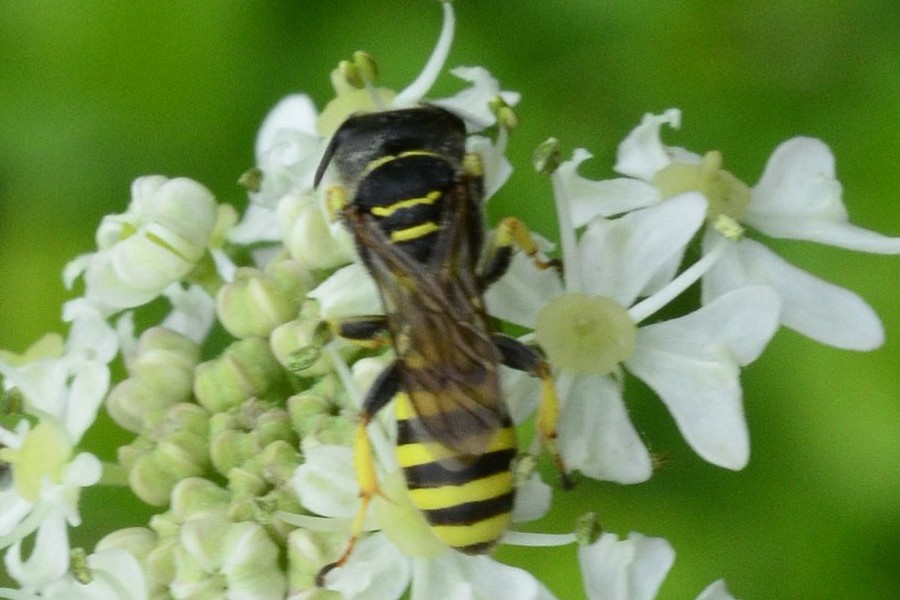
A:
x: 449, y: 363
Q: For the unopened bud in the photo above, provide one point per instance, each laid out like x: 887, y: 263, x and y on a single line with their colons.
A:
x: 247, y: 368
x: 546, y: 157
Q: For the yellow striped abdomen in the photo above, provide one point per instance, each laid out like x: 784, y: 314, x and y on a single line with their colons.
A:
x: 467, y: 500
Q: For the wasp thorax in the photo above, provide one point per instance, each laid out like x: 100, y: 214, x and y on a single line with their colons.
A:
x: 585, y: 334
x: 727, y: 195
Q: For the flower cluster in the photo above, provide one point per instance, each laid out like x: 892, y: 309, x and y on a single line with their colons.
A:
x: 245, y: 445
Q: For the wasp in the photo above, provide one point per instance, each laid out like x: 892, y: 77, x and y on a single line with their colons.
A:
x: 410, y: 195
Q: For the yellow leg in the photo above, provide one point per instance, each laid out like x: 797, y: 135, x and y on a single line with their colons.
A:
x: 512, y: 232
x: 335, y: 201
x: 364, y: 464
x: 548, y: 414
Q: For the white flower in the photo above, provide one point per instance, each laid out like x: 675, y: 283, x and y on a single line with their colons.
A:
x: 473, y: 104
x: 632, y: 569
x: 797, y: 197
x: 222, y: 559
x: 62, y: 386
x: 47, y: 481
x: 115, y: 575
x: 157, y: 241
x: 589, y: 328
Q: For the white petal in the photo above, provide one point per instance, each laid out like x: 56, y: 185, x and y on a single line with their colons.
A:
x: 596, y: 436
x: 376, y: 570
x: 349, y: 292
x: 799, y: 197
x: 693, y: 364
x: 497, y: 167
x: 521, y: 392
x: 716, y: 591
x: 90, y: 333
x: 193, y: 311
x: 82, y: 471
x: 631, y: 569
x: 522, y: 292
x: 620, y: 256
x: 823, y: 311
x: 472, y: 104
x: 642, y: 153
x: 417, y: 90
x: 588, y: 198
x: 49, y: 558
x: 455, y: 576
x: 326, y: 482
x: 86, y: 392
x: 13, y: 510
x: 74, y: 268
x: 295, y: 112
x: 259, y: 224
x: 532, y: 500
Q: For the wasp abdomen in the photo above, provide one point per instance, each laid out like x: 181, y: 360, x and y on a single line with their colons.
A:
x: 466, y: 499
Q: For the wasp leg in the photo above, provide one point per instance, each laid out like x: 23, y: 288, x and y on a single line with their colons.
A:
x: 516, y: 355
x: 382, y: 391
x: 335, y: 201
x: 511, y: 234
x: 368, y: 332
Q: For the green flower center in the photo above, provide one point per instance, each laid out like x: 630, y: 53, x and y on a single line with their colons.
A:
x: 727, y: 195
x: 43, y: 454
x: 585, y: 334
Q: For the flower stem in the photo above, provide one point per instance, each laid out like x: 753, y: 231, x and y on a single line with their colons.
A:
x: 571, y: 266
x: 377, y: 436
x: 686, y: 279
x: 537, y: 540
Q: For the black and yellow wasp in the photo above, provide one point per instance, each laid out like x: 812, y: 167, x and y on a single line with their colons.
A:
x: 410, y: 195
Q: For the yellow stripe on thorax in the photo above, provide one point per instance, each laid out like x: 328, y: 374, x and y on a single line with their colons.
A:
x: 414, y: 232
x: 447, y: 496
x: 386, y: 211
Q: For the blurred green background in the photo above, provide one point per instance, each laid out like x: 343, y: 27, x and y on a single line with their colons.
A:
x: 94, y: 94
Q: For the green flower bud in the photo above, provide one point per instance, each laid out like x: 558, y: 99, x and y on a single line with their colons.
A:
x: 546, y: 157
x: 196, y: 497
x: 175, y: 448
x: 298, y: 346
x: 314, y: 416
x: 137, y: 541
x: 245, y: 483
x: 221, y: 559
x: 366, y: 66
x: 160, y: 563
x: 505, y: 114
x: 255, y: 303
x: 251, y: 179
x: 230, y: 448
x: 308, y: 551
x: 246, y: 369
x: 242, y: 433
x: 308, y: 236
x: 161, y: 375
x: 587, y: 529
